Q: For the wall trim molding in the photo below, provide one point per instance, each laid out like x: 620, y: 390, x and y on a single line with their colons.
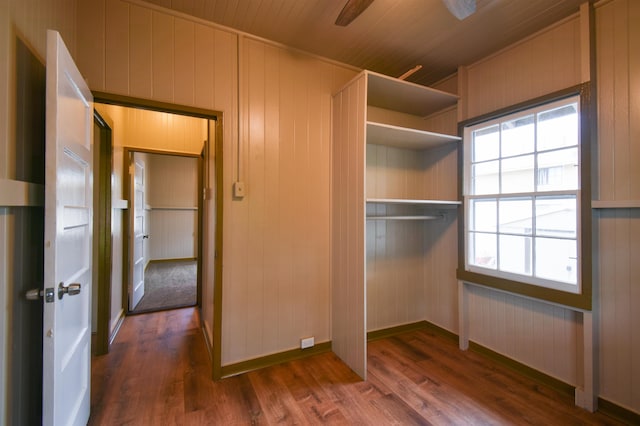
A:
x: 392, y: 331
x: 274, y: 359
x: 116, y: 326
x: 615, y: 204
x: 617, y: 412
x: 120, y: 204
x: 17, y: 193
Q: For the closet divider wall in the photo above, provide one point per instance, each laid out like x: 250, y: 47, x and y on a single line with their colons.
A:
x: 392, y: 183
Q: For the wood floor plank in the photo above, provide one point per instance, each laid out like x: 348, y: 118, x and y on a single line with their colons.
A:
x: 438, y: 400
x: 315, y: 402
x: 158, y: 372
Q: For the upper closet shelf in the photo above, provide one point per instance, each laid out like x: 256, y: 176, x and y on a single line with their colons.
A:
x: 403, y: 96
x: 402, y: 137
x: 413, y: 201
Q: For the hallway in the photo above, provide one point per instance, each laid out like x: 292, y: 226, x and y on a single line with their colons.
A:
x: 156, y: 370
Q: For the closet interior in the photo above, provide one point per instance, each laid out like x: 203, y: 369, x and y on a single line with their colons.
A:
x: 395, y: 197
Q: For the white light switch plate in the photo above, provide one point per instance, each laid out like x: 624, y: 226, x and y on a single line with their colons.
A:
x: 238, y: 189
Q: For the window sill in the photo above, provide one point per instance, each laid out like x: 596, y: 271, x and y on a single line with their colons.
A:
x: 576, y: 302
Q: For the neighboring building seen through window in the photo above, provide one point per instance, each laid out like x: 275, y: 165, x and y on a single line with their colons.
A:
x: 521, y: 196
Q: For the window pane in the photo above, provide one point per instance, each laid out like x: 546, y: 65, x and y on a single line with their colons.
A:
x: 556, y: 217
x: 518, y: 136
x: 483, y: 215
x: 482, y: 250
x: 556, y: 260
x: 558, y: 127
x: 515, y: 216
x: 558, y: 170
x: 522, y: 177
x: 515, y: 254
x: 486, y: 144
x: 484, y: 178
x: 517, y: 174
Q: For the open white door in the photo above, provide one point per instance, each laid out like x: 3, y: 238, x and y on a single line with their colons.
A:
x: 67, y: 257
x: 137, y: 234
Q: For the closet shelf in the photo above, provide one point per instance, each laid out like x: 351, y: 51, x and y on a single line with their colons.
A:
x: 403, y: 96
x: 402, y: 137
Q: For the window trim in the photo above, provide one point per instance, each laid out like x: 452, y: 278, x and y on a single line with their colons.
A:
x: 582, y: 299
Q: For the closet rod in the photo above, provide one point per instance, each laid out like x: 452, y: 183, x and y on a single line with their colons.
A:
x: 423, y: 217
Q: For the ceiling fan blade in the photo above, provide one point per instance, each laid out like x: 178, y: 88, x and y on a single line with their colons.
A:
x: 461, y: 9
x: 351, y: 10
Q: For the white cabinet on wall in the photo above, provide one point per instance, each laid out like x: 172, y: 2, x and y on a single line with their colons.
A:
x: 393, y: 182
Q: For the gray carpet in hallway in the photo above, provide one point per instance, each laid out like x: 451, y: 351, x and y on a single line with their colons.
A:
x: 169, y: 285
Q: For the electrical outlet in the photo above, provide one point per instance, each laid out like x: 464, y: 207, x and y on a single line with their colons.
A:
x: 307, y: 343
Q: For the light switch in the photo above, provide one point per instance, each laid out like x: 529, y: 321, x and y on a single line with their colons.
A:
x: 238, y: 189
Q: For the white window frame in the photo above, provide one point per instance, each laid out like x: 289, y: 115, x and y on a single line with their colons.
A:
x: 468, y: 197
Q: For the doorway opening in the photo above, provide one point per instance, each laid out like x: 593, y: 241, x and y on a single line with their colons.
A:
x: 162, y: 191
x: 143, y: 127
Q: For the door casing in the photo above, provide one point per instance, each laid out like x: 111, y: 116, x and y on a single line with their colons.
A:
x: 103, y: 165
x: 127, y: 225
x: 217, y: 119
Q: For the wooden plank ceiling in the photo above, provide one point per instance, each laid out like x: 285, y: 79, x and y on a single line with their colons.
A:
x: 391, y: 36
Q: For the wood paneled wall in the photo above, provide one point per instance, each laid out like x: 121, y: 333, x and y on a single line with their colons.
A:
x: 539, y: 335
x: 276, y: 284
x: 172, y: 233
x: 541, y: 64
x: 528, y: 331
x: 618, y: 53
x: 160, y: 131
x: 619, y: 292
x: 140, y: 51
x: 173, y: 197
x: 278, y: 258
x: 618, y: 180
x: 173, y: 181
x: 402, y: 173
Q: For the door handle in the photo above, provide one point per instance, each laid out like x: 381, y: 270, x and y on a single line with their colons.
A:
x: 37, y: 293
x: 144, y: 237
x: 72, y: 289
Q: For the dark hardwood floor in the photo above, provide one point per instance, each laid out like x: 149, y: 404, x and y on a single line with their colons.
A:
x: 158, y: 373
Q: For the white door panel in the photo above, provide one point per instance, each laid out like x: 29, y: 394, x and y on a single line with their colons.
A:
x: 136, y: 282
x: 68, y: 224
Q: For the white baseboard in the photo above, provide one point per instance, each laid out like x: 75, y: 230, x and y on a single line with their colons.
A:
x: 115, y: 325
x: 206, y: 331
